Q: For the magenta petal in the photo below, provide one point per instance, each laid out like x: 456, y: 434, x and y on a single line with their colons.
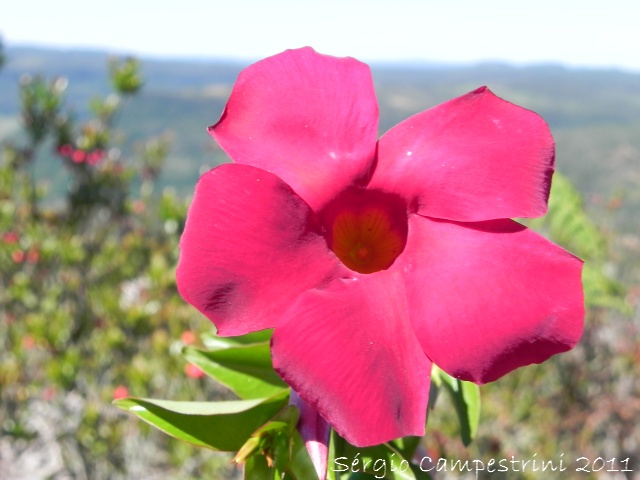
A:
x: 249, y: 248
x: 473, y: 158
x: 486, y: 298
x: 311, y: 119
x: 350, y: 353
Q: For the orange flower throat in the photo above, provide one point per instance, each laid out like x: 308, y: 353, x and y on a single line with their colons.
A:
x: 367, y: 230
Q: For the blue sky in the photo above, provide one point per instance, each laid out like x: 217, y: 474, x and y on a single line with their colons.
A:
x: 572, y: 32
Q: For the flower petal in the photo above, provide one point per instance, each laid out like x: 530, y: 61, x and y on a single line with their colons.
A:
x: 473, y: 158
x: 249, y: 248
x: 350, y: 353
x: 309, y: 118
x: 488, y: 297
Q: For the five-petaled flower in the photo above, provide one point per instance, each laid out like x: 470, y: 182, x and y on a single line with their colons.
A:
x: 373, y: 259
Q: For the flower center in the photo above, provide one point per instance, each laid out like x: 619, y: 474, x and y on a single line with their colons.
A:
x: 367, y: 230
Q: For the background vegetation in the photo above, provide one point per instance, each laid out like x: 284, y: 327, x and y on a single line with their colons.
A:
x: 88, y: 306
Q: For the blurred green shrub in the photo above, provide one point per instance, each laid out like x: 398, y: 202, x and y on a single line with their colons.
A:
x: 88, y: 306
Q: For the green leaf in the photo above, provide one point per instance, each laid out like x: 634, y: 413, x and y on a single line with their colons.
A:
x: 333, y: 470
x: 280, y: 445
x: 223, y: 426
x: 300, y: 465
x: 285, y: 420
x: 406, y: 446
x: 466, y: 399
x: 214, y: 342
x: 245, y: 370
x: 602, y: 291
x: 257, y: 468
x: 280, y: 448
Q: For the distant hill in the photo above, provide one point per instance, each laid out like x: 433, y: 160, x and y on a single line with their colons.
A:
x: 594, y: 114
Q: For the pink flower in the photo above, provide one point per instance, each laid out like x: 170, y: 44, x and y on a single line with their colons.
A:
x: 193, y: 371
x: 18, y: 256
x: 78, y: 155
x: 10, y: 238
x: 94, y: 157
x: 33, y: 255
x: 28, y: 342
x: 188, y: 337
x: 373, y: 259
x: 49, y: 394
x: 120, y: 392
x: 65, y: 150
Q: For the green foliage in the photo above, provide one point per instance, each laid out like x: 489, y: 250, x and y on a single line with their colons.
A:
x: 276, y: 450
x: 260, y: 427
x: 246, y: 370
x: 217, y: 425
x: 466, y: 400
x: 81, y: 319
x: 567, y: 224
x: 125, y: 75
x: 41, y: 103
